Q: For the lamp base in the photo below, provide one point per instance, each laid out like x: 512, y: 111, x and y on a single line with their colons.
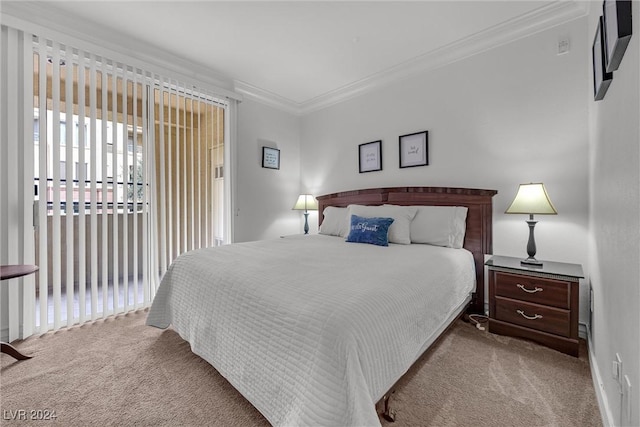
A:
x: 306, y: 223
x: 532, y: 262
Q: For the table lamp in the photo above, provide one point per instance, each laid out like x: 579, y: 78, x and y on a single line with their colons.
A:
x: 306, y: 203
x: 532, y: 199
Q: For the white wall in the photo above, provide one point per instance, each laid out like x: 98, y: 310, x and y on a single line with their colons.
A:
x: 614, y: 255
x: 511, y: 115
x: 264, y: 197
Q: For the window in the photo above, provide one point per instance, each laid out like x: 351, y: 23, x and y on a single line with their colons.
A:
x: 63, y: 133
x: 81, y: 172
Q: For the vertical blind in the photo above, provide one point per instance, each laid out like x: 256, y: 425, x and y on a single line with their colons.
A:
x: 189, y: 160
x: 124, y: 171
x: 16, y: 182
x: 92, y: 186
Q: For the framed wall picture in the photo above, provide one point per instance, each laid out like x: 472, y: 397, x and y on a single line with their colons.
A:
x: 270, y: 158
x: 370, y: 156
x: 414, y: 149
x: 616, y: 31
x: 601, y: 77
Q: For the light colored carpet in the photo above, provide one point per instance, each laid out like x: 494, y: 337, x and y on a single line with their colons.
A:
x: 119, y: 372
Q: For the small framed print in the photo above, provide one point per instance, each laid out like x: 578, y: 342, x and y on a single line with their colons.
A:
x: 601, y: 78
x: 370, y: 156
x: 270, y: 158
x: 414, y: 149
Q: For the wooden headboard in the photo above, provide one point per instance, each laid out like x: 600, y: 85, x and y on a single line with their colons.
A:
x: 478, y: 237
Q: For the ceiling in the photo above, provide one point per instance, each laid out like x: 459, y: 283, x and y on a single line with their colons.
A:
x: 305, y: 52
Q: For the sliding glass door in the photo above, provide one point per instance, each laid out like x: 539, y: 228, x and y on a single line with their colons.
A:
x: 189, y: 173
x: 128, y: 174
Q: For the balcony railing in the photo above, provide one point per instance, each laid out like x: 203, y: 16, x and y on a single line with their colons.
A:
x: 102, y: 202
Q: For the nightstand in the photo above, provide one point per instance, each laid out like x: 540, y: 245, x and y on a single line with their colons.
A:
x: 536, y: 303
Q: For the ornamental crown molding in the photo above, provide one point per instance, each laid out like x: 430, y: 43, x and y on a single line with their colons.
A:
x: 541, y: 19
x: 41, y: 15
x: 266, y: 97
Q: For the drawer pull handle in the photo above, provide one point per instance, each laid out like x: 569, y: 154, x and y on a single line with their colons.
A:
x: 530, y: 291
x: 534, y: 317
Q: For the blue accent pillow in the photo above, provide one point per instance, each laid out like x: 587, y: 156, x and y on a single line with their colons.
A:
x: 369, y: 230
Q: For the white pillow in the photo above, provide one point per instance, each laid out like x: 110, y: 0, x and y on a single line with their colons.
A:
x: 400, y: 230
x: 439, y: 225
x: 335, y: 221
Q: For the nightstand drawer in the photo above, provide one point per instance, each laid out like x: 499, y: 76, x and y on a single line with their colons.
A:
x: 535, y: 316
x: 533, y: 289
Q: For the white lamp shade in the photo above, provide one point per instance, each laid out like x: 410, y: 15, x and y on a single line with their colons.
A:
x: 306, y: 202
x: 532, y: 199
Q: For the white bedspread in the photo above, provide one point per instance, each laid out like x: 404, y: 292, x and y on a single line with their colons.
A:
x: 310, y: 329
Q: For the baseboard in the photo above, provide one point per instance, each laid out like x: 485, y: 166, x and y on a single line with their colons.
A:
x: 583, y: 331
x: 603, y: 402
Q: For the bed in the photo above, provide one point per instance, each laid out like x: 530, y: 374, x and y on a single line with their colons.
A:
x: 314, y: 330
